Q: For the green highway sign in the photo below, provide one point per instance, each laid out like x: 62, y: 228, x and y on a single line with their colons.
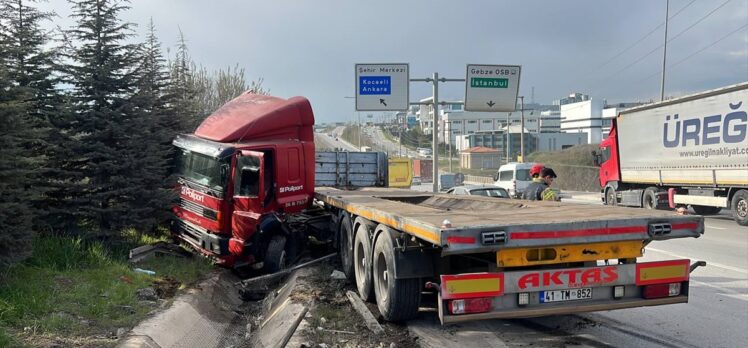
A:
x: 491, y: 88
x: 479, y: 82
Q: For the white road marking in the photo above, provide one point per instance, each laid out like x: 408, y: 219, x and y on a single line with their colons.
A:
x: 715, y: 227
x: 708, y: 263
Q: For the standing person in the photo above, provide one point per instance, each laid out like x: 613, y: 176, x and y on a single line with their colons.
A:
x: 540, y: 190
x: 535, y: 172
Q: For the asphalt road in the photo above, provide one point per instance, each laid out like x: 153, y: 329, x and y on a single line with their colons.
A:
x: 327, y: 142
x: 716, y: 316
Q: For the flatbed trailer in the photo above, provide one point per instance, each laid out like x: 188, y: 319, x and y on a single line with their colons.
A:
x: 494, y: 258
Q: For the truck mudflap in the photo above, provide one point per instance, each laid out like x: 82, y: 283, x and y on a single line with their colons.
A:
x: 534, y: 293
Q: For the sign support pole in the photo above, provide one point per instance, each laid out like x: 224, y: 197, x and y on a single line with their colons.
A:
x: 435, y: 133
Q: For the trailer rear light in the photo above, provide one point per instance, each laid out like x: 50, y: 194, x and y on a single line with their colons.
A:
x: 523, y: 298
x: 618, y: 291
x: 659, y: 229
x: 661, y: 290
x: 489, y: 238
x: 470, y: 305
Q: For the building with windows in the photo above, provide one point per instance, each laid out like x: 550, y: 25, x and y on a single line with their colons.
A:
x: 543, y: 142
x: 480, y: 158
x: 590, y: 116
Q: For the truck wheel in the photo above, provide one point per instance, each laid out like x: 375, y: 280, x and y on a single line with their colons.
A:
x: 740, y: 207
x: 706, y: 210
x: 649, y: 199
x: 397, y: 299
x: 275, y: 257
x: 362, y: 263
x: 610, y: 196
x: 346, y: 250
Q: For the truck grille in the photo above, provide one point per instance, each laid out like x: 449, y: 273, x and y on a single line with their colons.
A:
x: 492, y: 238
x: 190, y: 231
x: 198, y: 209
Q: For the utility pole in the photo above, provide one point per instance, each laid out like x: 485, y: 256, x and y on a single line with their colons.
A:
x: 522, y: 129
x: 435, y: 133
x: 506, y: 133
x: 664, y: 53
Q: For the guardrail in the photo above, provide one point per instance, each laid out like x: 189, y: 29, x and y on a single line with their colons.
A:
x: 475, y: 179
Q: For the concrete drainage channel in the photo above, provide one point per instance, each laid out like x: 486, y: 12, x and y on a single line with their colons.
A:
x: 307, y: 309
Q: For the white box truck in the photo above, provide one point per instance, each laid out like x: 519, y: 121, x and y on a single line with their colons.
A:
x: 691, y: 150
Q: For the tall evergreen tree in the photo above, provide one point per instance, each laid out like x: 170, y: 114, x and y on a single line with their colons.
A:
x: 155, y: 127
x: 31, y: 66
x: 183, y: 88
x: 102, y: 75
x: 15, y: 214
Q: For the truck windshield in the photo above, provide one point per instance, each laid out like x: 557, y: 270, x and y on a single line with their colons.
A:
x: 201, y: 169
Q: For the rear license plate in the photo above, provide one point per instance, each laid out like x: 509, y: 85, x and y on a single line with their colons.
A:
x: 565, y: 295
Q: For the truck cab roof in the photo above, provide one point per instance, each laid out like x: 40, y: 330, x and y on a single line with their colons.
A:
x: 254, y: 117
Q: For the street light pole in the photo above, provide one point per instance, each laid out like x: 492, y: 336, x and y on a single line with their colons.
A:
x: 522, y: 129
x: 435, y: 133
x: 664, y: 53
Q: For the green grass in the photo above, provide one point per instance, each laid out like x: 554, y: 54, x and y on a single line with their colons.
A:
x: 73, y: 288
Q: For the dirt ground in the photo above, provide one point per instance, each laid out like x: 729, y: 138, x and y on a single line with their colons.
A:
x: 333, y: 322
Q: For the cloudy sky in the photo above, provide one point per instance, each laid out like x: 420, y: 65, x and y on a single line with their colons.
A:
x: 597, y: 47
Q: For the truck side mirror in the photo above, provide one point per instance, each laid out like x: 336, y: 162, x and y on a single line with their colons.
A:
x: 595, y: 158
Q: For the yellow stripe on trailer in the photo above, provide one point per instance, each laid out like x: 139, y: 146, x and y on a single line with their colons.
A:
x: 458, y: 287
x: 662, y: 272
x: 472, y: 285
x: 517, y: 257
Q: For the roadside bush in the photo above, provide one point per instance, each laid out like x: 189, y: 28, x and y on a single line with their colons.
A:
x: 574, y: 167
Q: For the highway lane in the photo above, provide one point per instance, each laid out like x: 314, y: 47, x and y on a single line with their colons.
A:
x: 327, y: 142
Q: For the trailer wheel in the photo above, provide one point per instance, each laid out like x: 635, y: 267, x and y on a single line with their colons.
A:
x: 649, y: 199
x: 610, y: 196
x: 275, y: 258
x: 346, y: 251
x: 362, y: 263
x: 397, y: 299
x: 740, y: 207
x: 705, y: 209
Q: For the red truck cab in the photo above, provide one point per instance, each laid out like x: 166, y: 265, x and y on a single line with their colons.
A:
x: 607, y: 160
x: 240, y: 174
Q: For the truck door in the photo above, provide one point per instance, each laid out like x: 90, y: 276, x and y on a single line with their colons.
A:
x: 609, y: 158
x: 249, y: 193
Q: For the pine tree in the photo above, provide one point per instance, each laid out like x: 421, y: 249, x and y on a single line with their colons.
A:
x: 156, y: 127
x: 15, y: 166
x: 183, y: 88
x: 31, y: 66
x: 101, y: 73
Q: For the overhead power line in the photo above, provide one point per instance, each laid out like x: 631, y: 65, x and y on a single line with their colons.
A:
x: 669, y: 40
x: 700, y: 50
x: 644, y: 37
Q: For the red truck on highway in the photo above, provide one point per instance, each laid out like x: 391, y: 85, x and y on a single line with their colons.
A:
x: 248, y: 197
x: 691, y: 150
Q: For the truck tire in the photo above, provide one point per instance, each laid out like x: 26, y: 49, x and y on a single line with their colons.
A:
x: 610, y: 196
x: 275, y: 257
x: 397, y: 299
x: 346, y: 247
x: 362, y: 263
x: 739, y: 207
x: 649, y: 198
x: 706, y: 210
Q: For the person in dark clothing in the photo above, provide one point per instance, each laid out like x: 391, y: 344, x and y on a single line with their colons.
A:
x: 540, y: 190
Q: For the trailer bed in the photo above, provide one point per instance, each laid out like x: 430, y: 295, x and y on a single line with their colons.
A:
x: 513, y: 223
